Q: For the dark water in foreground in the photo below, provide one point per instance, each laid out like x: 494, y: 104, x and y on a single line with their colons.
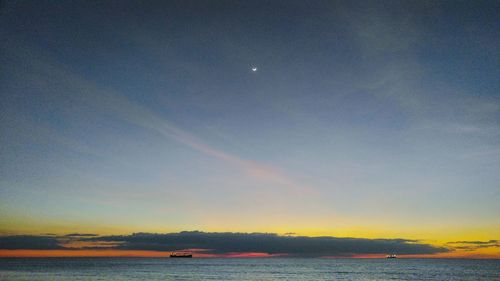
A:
x: 247, y: 269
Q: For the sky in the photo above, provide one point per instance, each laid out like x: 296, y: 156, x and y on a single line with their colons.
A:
x: 373, y: 123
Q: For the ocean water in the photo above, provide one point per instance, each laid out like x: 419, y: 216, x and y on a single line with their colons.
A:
x: 73, y: 269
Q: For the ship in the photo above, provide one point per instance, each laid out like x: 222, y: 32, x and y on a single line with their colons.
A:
x: 393, y: 256
x: 180, y: 255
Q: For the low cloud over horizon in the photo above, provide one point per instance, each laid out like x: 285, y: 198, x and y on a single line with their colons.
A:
x: 221, y: 243
x: 474, y: 245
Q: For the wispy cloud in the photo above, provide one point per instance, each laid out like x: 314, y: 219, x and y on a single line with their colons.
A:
x: 110, y: 101
x: 473, y: 245
x: 81, y: 235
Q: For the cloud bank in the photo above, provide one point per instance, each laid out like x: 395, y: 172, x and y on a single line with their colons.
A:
x: 220, y: 243
x: 30, y: 242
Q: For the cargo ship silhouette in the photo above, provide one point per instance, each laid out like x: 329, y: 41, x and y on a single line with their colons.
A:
x: 180, y: 255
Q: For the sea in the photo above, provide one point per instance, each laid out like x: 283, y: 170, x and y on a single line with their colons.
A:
x: 73, y: 269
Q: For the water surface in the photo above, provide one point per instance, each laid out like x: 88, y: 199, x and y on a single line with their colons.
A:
x: 73, y: 269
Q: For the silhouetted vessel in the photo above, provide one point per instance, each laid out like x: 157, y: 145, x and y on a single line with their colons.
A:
x: 392, y: 256
x: 181, y: 255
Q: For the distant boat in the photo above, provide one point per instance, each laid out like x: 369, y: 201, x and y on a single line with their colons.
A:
x: 181, y: 255
x: 392, y: 256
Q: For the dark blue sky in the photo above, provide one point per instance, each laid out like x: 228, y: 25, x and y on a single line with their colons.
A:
x: 365, y: 118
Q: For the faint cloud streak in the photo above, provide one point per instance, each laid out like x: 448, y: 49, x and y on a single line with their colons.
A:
x: 108, y: 100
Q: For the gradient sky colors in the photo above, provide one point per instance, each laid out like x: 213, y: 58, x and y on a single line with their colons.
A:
x: 365, y: 119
